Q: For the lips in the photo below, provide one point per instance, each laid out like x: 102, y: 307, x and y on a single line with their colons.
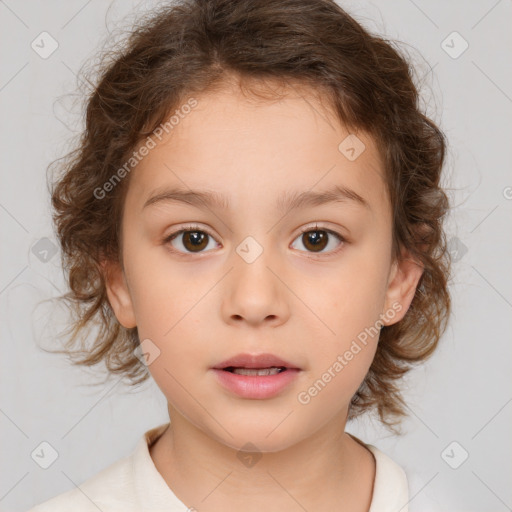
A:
x: 256, y: 376
x: 255, y: 361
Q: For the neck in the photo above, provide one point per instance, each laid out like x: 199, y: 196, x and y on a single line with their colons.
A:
x: 327, y: 471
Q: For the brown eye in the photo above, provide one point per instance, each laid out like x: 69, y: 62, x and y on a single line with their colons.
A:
x: 195, y: 240
x: 316, y: 240
x: 190, y: 241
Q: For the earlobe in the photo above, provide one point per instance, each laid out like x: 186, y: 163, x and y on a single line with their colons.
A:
x: 404, y: 278
x: 118, y: 293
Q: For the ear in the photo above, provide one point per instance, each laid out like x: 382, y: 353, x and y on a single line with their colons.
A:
x: 118, y: 293
x: 403, y: 281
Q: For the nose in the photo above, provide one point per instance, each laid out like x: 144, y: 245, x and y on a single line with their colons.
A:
x: 255, y: 293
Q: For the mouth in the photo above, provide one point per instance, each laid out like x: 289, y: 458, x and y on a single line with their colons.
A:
x: 273, y: 370
x: 256, y: 364
x: 256, y: 376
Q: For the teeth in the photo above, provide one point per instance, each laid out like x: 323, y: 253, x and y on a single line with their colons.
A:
x: 257, y: 371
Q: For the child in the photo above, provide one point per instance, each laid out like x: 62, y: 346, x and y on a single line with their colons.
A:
x: 254, y: 216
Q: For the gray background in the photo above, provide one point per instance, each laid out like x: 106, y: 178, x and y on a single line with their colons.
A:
x: 462, y: 394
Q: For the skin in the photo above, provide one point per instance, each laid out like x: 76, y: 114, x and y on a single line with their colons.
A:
x: 303, y: 306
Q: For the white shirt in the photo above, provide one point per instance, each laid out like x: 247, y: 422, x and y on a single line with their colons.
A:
x: 133, y: 484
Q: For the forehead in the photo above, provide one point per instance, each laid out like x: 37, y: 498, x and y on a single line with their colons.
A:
x: 253, y: 149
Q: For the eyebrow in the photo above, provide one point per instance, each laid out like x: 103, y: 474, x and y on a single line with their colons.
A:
x: 287, y: 201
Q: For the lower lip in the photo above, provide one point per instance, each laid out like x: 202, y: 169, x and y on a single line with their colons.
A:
x: 256, y: 386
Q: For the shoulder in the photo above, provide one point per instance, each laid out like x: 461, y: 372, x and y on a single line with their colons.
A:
x: 109, y: 486
x: 390, y: 488
x: 131, y: 484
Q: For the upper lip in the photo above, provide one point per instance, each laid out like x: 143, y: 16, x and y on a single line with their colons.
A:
x: 254, y: 361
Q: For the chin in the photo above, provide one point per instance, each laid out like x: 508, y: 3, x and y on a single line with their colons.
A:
x: 255, y: 438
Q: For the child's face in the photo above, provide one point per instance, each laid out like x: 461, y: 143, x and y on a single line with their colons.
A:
x: 201, y: 308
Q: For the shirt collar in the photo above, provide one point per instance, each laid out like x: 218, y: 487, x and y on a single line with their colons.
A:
x: 390, y: 488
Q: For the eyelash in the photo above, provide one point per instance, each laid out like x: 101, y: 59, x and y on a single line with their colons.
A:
x: 194, y: 228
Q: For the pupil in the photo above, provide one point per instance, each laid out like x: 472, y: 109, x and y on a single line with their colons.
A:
x: 198, y: 238
x: 317, y: 238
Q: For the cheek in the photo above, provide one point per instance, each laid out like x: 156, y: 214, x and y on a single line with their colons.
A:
x: 329, y: 391
x: 164, y: 295
x: 347, y: 302
x: 346, y: 298
x: 184, y: 353
x: 170, y: 305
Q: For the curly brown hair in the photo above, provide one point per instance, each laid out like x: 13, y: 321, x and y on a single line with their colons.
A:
x: 191, y: 46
